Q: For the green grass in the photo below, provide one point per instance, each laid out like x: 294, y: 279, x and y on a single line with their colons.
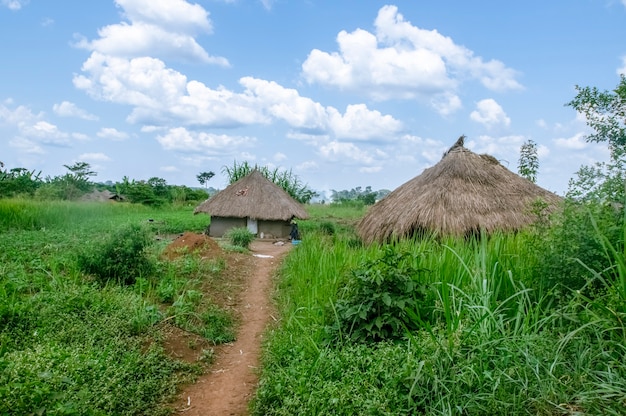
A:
x: 70, y: 345
x: 493, y: 340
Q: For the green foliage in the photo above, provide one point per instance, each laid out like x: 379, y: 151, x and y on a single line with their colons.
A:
x: 528, y: 161
x: 18, y: 181
x: 285, y: 179
x: 573, y: 239
x: 493, y: 341
x: 204, y: 177
x: 240, y: 237
x: 366, y: 197
x: 71, y: 346
x: 121, y: 258
x: 374, y: 305
x: 605, y: 113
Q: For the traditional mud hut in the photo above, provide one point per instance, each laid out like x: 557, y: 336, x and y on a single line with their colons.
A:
x: 463, y: 194
x: 254, y: 202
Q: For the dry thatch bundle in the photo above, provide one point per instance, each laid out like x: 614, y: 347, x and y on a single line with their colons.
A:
x: 464, y: 193
x: 253, y: 196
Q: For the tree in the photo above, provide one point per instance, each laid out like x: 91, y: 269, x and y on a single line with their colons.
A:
x: 606, y: 115
x: 204, y: 177
x: 528, y: 161
x: 81, y: 171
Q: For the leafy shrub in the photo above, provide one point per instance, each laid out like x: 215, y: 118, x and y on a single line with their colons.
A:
x: 240, y: 237
x: 576, y: 240
x: 378, y: 296
x: 122, y: 257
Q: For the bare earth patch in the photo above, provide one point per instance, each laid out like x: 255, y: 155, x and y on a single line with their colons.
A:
x: 231, y: 381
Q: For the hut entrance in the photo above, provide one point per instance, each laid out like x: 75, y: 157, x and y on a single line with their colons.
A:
x: 253, y: 225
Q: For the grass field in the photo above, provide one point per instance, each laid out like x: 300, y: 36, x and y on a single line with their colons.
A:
x: 71, y: 344
x: 443, y: 327
x: 531, y: 323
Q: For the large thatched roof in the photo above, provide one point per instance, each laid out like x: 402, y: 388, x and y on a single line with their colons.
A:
x: 463, y: 193
x: 253, y: 196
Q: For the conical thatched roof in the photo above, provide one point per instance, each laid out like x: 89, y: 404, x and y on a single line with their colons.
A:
x: 464, y: 193
x: 253, y: 196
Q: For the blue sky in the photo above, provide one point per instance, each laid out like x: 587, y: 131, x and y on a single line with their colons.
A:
x: 345, y: 93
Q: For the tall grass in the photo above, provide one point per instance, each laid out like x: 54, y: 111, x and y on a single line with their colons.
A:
x: 495, y: 340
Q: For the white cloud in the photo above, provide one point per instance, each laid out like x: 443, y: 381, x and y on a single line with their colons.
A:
x: 503, y: 148
x: 337, y: 151
x: 111, y: 133
x: 308, y: 165
x: 279, y: 157
x: 576, y: 142
x: 168, y: 169
x: 164, y: 29
x: 360, y: 123
x: 182, y: 140
x: 69, y: 109
x: 489, y: 113
x: 446, y: 103
x: 160, y: 95
x: 402, y: 61
x: 177, y: 15
x: 96, y: 157
x: 26, y: 146
x: 370, y: 169
x: 15, y: 4
x: 46, y: 133
x: 18, y: 116
x: 267, y: 4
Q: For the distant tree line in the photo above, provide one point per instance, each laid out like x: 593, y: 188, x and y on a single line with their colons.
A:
x: 367, y: 196
x: 77, y: 183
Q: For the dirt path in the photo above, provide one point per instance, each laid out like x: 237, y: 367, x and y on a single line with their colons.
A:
x: 231, y: 382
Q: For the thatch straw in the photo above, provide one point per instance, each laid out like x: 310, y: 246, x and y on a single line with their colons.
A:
x: 253, y: 196
x: 462, y: 194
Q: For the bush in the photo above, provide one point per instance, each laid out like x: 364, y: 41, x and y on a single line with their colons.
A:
x: 576, y: 240
x: 122, y: 257
x: 240, y: 237
x: 377, y: 298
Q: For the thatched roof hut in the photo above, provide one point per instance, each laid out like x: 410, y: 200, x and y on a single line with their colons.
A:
x: 465, y: 193
x: 253, y: 201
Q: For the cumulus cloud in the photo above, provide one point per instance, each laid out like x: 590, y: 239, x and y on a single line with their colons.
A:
x: 503, y: 148
x: 162, y: 95
x: 335, y: 151
x: 95, y: 157
x: 15, y: 4
x: 489, y: 113
x: 402, y: 61
x: 360, y: 123
x: 69, y: 109
x: 279, y: 157
x: 575, y: 142
x: 111, y: 133
x: 46, y: 133
x: 308, y: 165
x: 24, y: 145
x: 164, y: 29
x: 183, y: 140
